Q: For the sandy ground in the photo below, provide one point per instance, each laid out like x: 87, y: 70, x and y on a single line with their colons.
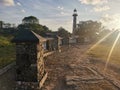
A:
x: 7, y: 80
x: 72, y: 69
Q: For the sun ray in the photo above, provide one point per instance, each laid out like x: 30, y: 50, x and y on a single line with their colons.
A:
x: 110, y: 53
x: 100, y: 41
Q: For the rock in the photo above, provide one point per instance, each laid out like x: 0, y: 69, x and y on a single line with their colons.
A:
x: 72, y: 80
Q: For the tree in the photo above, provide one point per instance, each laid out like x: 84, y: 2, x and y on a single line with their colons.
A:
x: 88, y: 28
x: 30, y: 20
x: 32, y: 23
x: 1, y: 24
x: 37, y: 28
x: 63, y: 32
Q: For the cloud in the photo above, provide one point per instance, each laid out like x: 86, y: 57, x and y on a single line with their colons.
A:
x: 98, y: 5
x: 61, y: 8
x: 93, y: 2
x: 63, y: 14
x: 7, y: 2
x: 101, y: 8
x: 111, y: 21
x: 110, y: 18
x: 18, y: 3
x: 23, y: 11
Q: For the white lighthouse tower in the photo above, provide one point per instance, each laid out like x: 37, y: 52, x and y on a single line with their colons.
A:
x: 74, y: 20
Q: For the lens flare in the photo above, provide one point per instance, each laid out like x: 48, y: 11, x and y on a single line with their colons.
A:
x: 101, y: 40
x: 110, y: 53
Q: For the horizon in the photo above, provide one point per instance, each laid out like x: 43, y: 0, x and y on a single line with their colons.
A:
x: 58, y: 13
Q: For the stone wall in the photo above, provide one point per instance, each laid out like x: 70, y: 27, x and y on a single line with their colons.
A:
x: 49, y: 45
x: 54, y: 44
x: 65, y: 41
x: 40, y: 62
x: 29, y: 66
x: 26, y: 57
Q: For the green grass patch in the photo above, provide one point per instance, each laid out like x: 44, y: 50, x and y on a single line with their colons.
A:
x: 7, y: 51
x: 102, y: 50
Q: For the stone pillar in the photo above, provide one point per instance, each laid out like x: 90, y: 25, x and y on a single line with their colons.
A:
x: 30, y: 71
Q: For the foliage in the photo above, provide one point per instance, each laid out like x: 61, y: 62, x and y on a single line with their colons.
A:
x: 36, y: 27
x: 39, y: 29
x: 1, y: 22
x: 30, y: 17
x: 7, y: 50
x: 1, y: 25
x: 3, y: 41
x: 63, y: 32
x: 88, y: 28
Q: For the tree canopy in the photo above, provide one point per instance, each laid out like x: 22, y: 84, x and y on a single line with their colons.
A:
x: 30, y: 17
x: 37, y: 28
x: 88, y: 28
x: 63, y: 32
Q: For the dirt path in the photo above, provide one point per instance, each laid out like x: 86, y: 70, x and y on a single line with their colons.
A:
x: 7, y: 80
x: 73, y: 70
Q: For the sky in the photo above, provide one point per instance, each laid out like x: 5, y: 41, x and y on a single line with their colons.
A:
x: 57, y: 13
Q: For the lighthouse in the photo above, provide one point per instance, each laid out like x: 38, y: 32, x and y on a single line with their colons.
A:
x: 74, y: 20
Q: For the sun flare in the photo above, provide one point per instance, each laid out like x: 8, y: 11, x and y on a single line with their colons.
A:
x: 111, y: 51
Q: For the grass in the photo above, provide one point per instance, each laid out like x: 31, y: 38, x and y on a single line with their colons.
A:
x: 7, y: 51
x: 102, y: 50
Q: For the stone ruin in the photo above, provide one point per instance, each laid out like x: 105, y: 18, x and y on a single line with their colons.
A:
x: 53, y: 42
x: 30, y: 70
